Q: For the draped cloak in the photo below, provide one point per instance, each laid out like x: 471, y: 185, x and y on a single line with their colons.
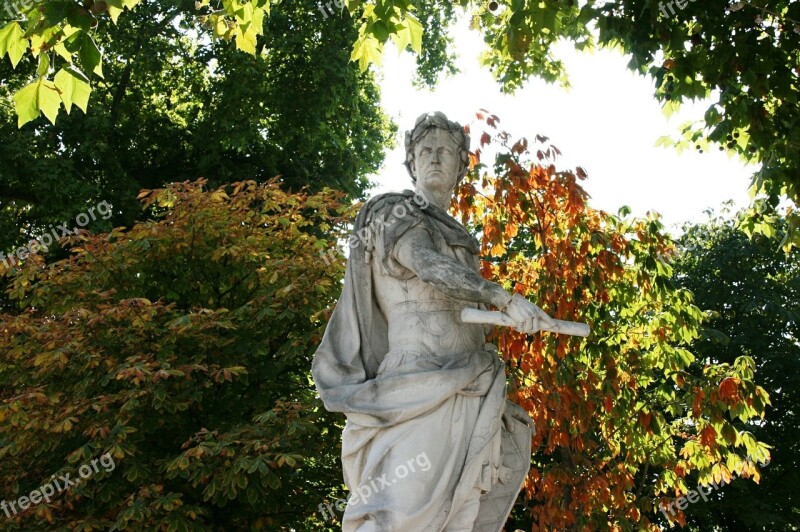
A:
x: 396, y: 410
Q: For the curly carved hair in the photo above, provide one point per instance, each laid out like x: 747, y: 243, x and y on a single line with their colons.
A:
x: 424, y: 124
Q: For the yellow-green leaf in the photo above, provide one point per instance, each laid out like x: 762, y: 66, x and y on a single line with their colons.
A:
x: 402, y: 38
x: 44, y: 65
x: 26, y: 103
x: 244, y: 16
x: 60, y: 48
x: 13, y: 42
x: 115, y: 7
x: 219, y: 26
x: 246, y: 41
x: 74, y: 88
x: 258, y: 21
x: 366, y: 50
x: 415, y: 29
x: 41, y: 41
x: 41, y: 95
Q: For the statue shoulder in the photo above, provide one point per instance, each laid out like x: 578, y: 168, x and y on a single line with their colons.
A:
x: 397, y: 203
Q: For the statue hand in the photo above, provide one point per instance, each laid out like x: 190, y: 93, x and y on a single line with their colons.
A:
x: 514, y: 411
x: 529, y: 317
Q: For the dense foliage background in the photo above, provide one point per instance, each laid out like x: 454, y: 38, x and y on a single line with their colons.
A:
x: 173, y: 105
x: 632, y: 417
x: 177, y: 335
x: 751, y: 290
x: 182, y: 347
x: 744, y: 56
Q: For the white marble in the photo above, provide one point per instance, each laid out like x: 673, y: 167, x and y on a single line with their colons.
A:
x: 430, y: 441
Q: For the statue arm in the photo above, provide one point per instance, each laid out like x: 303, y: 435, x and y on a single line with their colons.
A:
x: 416, y: 251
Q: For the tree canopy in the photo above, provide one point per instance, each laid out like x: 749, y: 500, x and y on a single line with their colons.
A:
x: 174, y: 105
x: 744, y: 56
x: 630, y: 419
x: 751, y: 290
x: 181, y: 347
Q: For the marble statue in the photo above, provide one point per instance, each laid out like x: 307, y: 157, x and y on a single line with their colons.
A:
x: 412, y: 377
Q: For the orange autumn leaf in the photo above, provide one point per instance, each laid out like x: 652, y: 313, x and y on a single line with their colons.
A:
x: 608, y: 404
x: 729, y: 389
x: 708, y: 436
x: 697, y: 402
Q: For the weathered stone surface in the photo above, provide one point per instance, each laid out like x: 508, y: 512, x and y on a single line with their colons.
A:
x: 430, y: 442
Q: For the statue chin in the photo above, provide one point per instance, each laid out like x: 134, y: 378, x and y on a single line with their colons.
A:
x: 437, y: 177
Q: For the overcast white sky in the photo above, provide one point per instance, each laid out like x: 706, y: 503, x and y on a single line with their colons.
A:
x: 607, y: 122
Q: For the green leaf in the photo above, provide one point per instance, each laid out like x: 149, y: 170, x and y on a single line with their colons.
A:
x: 74, y: 87
x: 380, y: 30
x: 44, y: 65
x: 90, y: 55
x: 367, y: 50
x: 246, y: 41
x: 13, y: 42
x: 115, y: 7
x: 27, y: 107
x: 352, y: 6
x: 415, y: 29
x: 53, y: 12
x: 41, y: 95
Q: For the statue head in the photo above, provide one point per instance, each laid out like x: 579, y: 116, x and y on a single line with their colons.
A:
x: 437, y: 149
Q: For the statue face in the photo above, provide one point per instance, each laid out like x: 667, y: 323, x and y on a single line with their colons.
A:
x: 436, y: 163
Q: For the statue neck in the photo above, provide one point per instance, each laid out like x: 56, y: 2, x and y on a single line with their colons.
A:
x: 440, y: 198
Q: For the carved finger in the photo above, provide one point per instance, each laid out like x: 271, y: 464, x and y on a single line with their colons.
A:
x: 548, y: 321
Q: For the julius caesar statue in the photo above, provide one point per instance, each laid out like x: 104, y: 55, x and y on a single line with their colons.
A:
x: 412, y: 377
